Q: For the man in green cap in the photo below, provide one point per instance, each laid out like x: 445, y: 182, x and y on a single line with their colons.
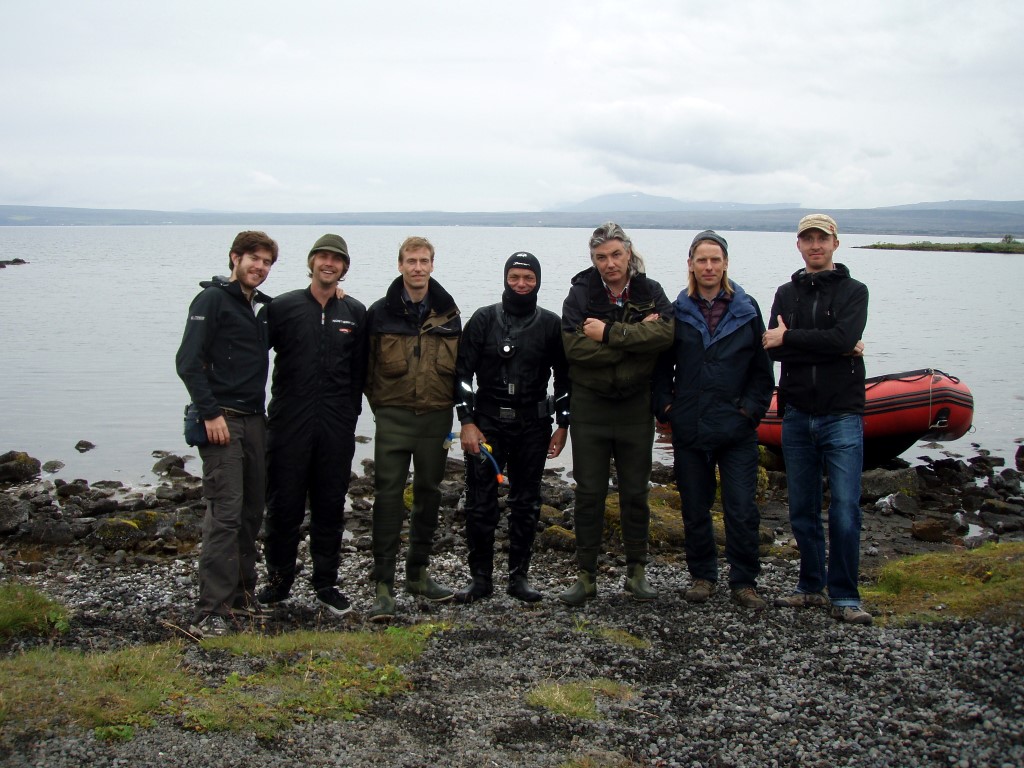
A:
x: 319, y: 336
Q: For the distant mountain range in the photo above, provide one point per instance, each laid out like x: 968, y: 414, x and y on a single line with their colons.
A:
x: 638, y: 201
x: 951, y: 218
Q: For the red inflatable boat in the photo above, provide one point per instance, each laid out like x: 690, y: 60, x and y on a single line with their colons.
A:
x: 901, y: 409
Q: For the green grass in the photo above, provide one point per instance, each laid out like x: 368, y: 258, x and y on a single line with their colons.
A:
x: 27, y: 611
x: 985, y: 583
x: 577, y: 699
x: 288, y: 679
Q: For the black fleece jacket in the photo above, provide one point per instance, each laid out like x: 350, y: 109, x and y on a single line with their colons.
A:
x: 825, y: 314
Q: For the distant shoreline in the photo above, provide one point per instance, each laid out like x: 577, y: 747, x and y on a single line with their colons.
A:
x: 976, y: 219
x: 1007, y: 245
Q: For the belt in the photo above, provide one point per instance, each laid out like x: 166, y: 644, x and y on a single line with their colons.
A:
x: 525, y: 413
x: 236, y: 414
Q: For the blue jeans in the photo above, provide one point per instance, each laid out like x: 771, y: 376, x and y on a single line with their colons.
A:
x: 834, y: 443
x: 695, y: 478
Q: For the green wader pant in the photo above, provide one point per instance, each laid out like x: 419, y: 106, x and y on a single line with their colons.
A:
x: 602, y: 429
x: 402, y: 435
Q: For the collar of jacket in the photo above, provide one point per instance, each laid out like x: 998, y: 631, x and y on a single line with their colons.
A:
x: 828, y: 276
x: 597, y: 294
x: 234, y: 290
x: 738, y: 313
x: 442, y: 305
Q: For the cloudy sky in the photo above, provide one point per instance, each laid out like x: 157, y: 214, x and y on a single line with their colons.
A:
x: 337, y: 105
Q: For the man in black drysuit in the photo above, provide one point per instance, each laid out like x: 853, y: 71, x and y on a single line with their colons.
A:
x: 512, y: 348
x: 319, y: 335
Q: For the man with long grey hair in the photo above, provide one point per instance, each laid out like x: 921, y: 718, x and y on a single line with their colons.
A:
x: 615, y: 322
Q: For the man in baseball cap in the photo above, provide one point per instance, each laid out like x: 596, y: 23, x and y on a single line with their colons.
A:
x: 815, y: 331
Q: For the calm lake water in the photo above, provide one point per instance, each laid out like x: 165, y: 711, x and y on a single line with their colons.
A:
x: 91, y: 325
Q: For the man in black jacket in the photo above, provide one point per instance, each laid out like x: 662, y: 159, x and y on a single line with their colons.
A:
x: 817, y: 322
x: 223, y: 362
x: 715, y: 385
x: 317, y: 392
x: 511, y: 348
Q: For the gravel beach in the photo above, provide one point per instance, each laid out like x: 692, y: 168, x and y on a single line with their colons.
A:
x: 717, y: 686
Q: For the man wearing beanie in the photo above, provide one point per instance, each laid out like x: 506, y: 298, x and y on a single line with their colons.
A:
x: 714, y: 385
x: 414, y: 339
x: 815, y: 331
x: 512, y: 348
x: 319, y: 336
x: 615, y: 323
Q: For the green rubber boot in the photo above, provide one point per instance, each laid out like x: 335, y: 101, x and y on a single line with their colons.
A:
x: 636, y: 583
x: 584, y: 589
x: 418, y: 582
x: 383, y: 608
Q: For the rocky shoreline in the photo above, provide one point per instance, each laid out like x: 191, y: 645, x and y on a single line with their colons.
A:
x: 715, y: 686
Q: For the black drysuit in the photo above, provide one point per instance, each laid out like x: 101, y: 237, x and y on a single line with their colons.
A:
x: 316, y: 398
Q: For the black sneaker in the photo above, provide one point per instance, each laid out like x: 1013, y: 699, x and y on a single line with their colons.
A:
x: 274, y: 592
x: 334, y: 601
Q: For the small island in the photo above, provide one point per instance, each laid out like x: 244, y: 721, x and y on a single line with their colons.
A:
x: 1008, y: 244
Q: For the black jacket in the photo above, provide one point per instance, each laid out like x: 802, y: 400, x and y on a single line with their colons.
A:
x: 320, y: 361
x: 223, y: 354
x: 825, y: 314
x: 622, y: 364
x: 537, y: 344
x: 719, y: 386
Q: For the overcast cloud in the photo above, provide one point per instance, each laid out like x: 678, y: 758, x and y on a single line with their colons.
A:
x: 487, y: 106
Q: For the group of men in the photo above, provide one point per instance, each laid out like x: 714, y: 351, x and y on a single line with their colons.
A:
x: 621, y: 348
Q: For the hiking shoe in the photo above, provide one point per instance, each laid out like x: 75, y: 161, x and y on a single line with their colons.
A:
x: 851, y: 614
x: 748, y: 598
x: 700, y: 592
x: 334, y: 601
x: 211, y: 625
x: 802, y: 600
x: 274, y: 592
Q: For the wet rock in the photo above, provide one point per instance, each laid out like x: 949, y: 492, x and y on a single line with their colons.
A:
x: 1000, y: 507
x: 18, y: 467
x: 959, y: 524
x: 74, y: 488
x: 13, y: 514
x: 1006, y: 482
x: 164, y: 465
x: 84, y: 445
x: 49, y: 532
x: 876, y: 483
x: 928, y: 530
x: 53, y: 466
x: 117, y: 533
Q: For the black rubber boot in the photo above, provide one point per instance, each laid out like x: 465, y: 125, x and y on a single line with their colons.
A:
x: 519, y: 588
x: 477, y: 589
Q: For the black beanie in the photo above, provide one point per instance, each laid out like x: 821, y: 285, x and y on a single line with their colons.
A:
x: 514, y: 303
x: 711, y: 236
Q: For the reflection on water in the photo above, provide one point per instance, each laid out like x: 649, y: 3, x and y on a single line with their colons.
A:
x: 91, y: 325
